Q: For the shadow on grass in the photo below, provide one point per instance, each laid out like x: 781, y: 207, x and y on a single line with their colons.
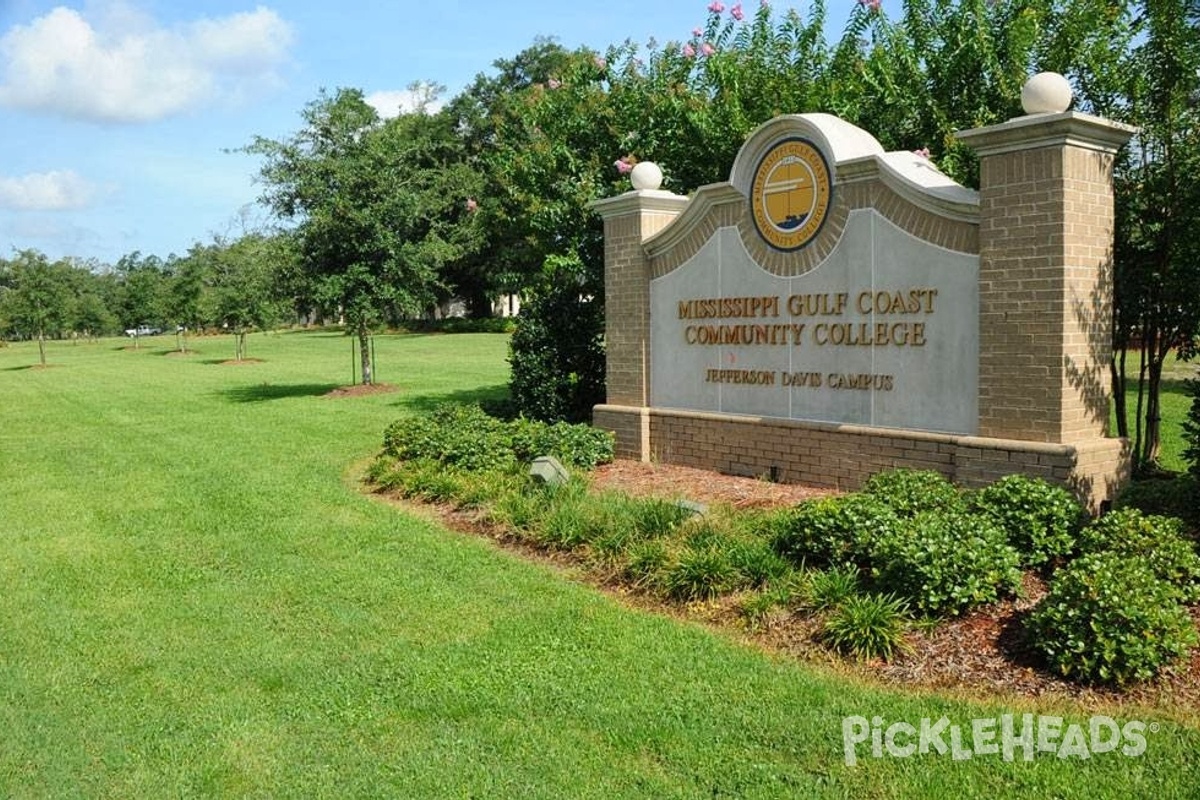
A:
x: 427, y: 402
x: 20, y: 368
x: 257, y: 393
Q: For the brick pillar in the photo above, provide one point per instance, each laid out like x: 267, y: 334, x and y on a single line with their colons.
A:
x: 629, y: 220
x: 1045, y: 275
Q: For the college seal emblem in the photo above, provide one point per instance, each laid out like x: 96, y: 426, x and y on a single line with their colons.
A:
x: 791, y: 194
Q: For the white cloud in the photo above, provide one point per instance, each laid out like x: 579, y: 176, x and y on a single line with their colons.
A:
x: 46, y: 191
x: 121, y: 67
x: 393, y: 102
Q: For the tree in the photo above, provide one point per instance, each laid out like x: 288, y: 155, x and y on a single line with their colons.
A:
x: 38, y: 300
x: 142, y: 293
x: 376, y: 204
x: 1157, y: 304
x: 241, y: 275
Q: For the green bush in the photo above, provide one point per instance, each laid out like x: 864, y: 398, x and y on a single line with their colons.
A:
x: 946, y: 562
x: 1178, y: 496
x: 461, y: 325
x: 557, y: 351
x: 832, y: 530
x: 465, y: 436
x: 1160, y: 540
x: 1109, y: 619
x: 910, y: 491
x: 460, y: 435
x: 866, y: 626
x: 1191, y: 434
x: 1040, y: 519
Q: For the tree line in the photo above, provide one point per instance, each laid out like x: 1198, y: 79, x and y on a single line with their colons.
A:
x: 488, y: 192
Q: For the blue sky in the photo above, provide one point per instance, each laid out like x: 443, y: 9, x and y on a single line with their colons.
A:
x: 115, y: 115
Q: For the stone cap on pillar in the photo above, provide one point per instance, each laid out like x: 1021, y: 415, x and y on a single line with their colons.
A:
x: 1048, y: 130
x: 638, y: 201
x: 1047, y: 123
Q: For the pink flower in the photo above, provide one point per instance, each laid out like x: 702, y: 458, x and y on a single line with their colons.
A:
x: 716, y: 6
x: 707, y: 49
x: 923, y: 152
x: 623, y: 166
x: 600, y: 62
x: 472, y: 206
x: 763, y: 3
x: 871, y: 5
x: 736, y: 12
x: 689, y: 51
x: 554, y: 83
x: 697, y: 32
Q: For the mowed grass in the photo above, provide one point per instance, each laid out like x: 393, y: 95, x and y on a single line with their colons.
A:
x: 195, y: 600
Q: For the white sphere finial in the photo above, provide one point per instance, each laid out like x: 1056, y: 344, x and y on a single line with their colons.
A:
x: 646, y: 175
x: 1046, y: 93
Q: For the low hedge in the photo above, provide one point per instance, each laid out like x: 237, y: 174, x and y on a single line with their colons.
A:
x: 1108, y: 618
x: 465, y: 436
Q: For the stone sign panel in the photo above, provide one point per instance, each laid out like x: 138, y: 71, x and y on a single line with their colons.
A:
x: 884, y: 332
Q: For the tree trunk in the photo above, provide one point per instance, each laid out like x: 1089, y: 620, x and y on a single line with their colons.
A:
x: 239, y: 339
x: 1150, y: 446
x: 42, y: 345
x: 1119, y: 382
x: 364, y: 354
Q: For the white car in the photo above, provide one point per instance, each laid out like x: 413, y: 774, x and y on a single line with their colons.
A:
x: 142, y: 330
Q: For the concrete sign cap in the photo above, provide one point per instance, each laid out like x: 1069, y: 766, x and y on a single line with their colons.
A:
x: 646, y: 175
x: 1046, y: 93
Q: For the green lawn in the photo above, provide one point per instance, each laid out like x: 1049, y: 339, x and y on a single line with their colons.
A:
x: 1175, y: 405
x: 197, y: 602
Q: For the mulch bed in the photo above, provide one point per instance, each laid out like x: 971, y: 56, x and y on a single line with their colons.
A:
x: 359, y: 390
x: 982, y: 655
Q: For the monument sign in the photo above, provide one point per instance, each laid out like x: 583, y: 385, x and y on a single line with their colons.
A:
x: 834, y: 309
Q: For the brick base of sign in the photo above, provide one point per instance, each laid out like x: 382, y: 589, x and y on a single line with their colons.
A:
x: 843, y: 456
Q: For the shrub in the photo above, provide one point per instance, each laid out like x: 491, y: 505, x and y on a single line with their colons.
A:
x: 557, y: 351
x: 1178, y: 496
x: 1160, y: 540
x: 1191, y: 432
x: 866, y: 626
x: 946, y: 562
x: 575, y: 445
x: 1040, y: 519
x: 461, y: 435
x: 909, y: 491
x: 831, y: 588
x: 466, y: 437
x: 1109, y: 619
x: 700, y: 574
x: 833, y: 530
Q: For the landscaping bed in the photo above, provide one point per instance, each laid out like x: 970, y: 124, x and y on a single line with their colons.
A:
x: 1006, y: 590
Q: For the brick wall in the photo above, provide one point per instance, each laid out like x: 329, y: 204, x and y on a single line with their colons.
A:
x: 842, y: 457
